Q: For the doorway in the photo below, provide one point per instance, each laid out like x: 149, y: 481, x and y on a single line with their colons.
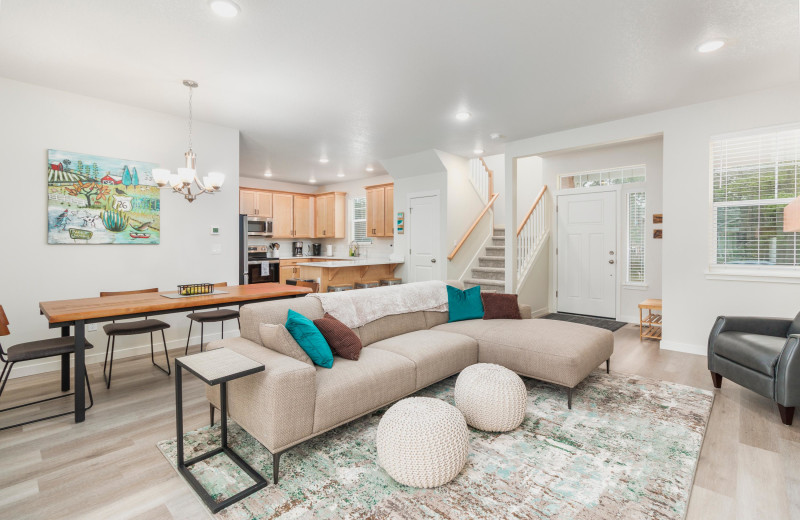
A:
x: 423, y: 228
x: 587, y: 253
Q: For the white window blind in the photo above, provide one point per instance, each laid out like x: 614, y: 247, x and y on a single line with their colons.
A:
x: 637, y: 227
x: 360, y: 221
x: 608, y: 177
x: 753, y: 177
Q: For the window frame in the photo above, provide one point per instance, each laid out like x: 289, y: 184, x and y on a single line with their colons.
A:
x: 367, y: 241
x: 628, y: 234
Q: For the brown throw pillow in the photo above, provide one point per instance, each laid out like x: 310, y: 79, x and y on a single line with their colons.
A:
x: 342, y: 340
x: 278, y: 338
x: 500, y: 306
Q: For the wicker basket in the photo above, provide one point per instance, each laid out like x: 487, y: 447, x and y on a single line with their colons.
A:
x: 194, y: 289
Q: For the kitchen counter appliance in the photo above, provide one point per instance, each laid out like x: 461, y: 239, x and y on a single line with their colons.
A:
x: 297, y: 248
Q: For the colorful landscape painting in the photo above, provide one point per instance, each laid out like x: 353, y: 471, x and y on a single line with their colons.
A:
x: 101, y: 200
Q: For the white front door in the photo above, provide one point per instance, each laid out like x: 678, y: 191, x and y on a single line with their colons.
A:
x: 422, y: 226
x: 587, y: 254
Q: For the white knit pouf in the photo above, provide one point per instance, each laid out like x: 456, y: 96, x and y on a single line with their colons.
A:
x: 422, y: 442
x: 492, y: 398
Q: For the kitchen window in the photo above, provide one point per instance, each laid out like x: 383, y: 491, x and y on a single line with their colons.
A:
x: 637, y: 227
x: 359, y: 231
x: 753, y: 176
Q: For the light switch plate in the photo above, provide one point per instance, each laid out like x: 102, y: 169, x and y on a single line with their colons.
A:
x: 91, y: 327
x: 216, y: 249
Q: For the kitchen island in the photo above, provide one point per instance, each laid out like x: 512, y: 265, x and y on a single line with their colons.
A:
x: 348, y: 271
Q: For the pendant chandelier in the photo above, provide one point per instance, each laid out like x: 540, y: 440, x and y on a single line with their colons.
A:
x: 181, y: 182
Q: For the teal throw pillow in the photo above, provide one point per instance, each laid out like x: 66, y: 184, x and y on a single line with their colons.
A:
x: 310, y: 339
x: 464, y: 305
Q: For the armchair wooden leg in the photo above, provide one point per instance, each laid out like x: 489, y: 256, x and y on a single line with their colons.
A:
x: 787, y: 414
x: 716, y: 379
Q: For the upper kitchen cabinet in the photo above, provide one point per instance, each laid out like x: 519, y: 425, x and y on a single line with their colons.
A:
x: 380, y: 210
x: 255, y: 203
x: 282, y: 215
x: 331, y: 212
x: 303, y: 217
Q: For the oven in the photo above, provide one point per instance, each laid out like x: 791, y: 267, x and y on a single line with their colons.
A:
x: 257, y: 271
x: 259, y: 227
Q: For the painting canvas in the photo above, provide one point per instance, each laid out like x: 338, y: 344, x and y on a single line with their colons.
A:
x: 101, y: 200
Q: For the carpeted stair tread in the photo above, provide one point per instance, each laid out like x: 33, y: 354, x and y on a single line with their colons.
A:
x: 489, y: 273
x: 491, y: 261
x: 499, y: 232
x: 482, y: 282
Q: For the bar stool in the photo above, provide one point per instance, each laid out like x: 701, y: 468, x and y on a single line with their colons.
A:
x: 203, y: 317
x: 63, y: 346
x: 366, y: 285
x: 314, y: 286
x: 133, y: 328
x: 391, y: 281
x: 339, y: 287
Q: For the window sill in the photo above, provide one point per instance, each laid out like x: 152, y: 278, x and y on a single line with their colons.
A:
x: 635, y: 286
x: 754, y: 275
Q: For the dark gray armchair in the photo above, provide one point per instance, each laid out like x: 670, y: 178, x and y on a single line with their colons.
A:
x: 762, y: 355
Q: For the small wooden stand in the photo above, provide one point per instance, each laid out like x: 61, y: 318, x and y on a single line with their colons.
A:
x: 650, y: 325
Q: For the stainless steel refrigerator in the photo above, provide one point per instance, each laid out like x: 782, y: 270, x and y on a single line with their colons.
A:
x: 243, y: 274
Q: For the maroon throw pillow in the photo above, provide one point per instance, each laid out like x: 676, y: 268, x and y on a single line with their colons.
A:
x: 342, y: 340
x: 500, y: 306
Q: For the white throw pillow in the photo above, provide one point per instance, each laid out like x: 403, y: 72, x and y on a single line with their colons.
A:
x: 277, y: 338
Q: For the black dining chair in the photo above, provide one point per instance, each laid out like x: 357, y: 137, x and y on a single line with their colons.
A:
x: 133, y: 328
x: 203, y: 317
x: 35, y: 350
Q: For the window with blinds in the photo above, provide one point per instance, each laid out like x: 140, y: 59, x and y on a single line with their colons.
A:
x: 360, y: 221
x: 753, y: 177
x: 608, y: 177
x: 637, y: 227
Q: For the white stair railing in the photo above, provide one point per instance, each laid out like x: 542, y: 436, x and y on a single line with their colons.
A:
x: 532, y: 233
x: 481, y: 178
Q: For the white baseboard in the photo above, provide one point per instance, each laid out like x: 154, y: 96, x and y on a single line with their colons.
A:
x: 540, y: 312
x: 699, y: 350
x: 629, y: 319
x: 98, y: 353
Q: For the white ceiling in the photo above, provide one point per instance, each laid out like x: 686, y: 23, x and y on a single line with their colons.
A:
x: 365, y: 80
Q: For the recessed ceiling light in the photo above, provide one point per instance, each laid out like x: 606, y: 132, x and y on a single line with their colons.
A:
x: 268, y: 173
x: 370, y: 169
x: 710, y: 46
x: 224, y: 8
x: 496, y: 135
x: 463, y: 115
x: 477, y: 151
x: 323, y: 160
x: 312, y: 181
x: 340, y: 174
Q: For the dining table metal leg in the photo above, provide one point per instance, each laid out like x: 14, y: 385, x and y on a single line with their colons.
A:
x: 80, y: 371
x: 65, y: 364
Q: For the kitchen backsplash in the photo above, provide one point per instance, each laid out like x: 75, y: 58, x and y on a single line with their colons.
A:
x: 380, y: 247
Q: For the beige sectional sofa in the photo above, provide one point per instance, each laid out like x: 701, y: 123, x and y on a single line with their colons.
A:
x: 292, y: 401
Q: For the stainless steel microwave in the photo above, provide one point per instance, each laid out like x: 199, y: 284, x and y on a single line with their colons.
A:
x: 259, y: 227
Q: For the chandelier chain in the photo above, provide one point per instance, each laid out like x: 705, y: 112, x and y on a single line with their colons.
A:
x: 191, y: 90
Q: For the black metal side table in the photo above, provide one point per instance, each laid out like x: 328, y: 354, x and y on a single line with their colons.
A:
x: 215, y: 367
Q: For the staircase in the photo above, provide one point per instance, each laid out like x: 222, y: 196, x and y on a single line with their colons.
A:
x: 491, y: 271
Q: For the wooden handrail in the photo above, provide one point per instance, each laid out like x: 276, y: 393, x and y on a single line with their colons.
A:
x: 491, y: 176
x: 530, y: 211
x: 472, y: 227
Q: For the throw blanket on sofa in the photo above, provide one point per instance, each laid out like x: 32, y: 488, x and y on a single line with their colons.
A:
x: 357, y: 308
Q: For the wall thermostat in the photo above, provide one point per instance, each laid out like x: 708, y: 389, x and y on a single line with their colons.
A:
x: 215, y: 231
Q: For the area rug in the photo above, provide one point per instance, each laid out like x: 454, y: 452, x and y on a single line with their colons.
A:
x: 603, y: 323
x: 627, y: 450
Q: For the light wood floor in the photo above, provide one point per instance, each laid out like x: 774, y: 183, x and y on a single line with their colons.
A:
x: 109, y: 466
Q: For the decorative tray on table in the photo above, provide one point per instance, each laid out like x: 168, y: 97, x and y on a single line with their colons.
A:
x: 194, y: 289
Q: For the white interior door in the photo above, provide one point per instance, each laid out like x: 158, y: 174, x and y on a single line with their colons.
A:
x: 587, y: 254
x: 422, y: 226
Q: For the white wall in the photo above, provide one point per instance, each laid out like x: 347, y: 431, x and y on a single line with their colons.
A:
x: 464, y: 206
x: 35, y: 119
x: 691, y: 298
x: 648, y: 152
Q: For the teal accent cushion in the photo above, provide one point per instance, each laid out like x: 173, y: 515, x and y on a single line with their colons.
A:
x: 310, y: 339
x: 464, y: 305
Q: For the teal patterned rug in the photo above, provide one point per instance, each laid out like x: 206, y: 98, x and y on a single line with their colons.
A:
x: 627, y: 449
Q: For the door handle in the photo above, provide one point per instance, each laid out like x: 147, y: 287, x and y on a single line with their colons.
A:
x: 611, y: 252
x: 433, y: 260
x: 611, y: 261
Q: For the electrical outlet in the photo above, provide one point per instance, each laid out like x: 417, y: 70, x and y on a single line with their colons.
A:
x: 92, y: 327
x: 216, y: 249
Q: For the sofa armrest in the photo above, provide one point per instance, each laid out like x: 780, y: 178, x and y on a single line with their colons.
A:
x: 275, y: 406
x: 525, y: 311
x: 754, y: 325
x: 787, y: 373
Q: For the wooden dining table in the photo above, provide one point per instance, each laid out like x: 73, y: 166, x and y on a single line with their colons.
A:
x: 79, y: 312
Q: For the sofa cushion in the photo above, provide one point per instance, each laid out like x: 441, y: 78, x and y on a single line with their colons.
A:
x: 559, y: 352
x: 754, y: 351
x: 310, y: 339
x: 390, y: 326
x: 353, y: 388
x: 434, y: 318
x: 277, y: 338
x: 275, y: 312
x: 436, y: 354
x: 500, y: 306
x: 342, y: 340
x: 464, y: 305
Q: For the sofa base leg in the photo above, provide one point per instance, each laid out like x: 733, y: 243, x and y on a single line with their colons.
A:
x: 787, y: 414
x: 608, y: 366
x: 276, y: 459
x: 717, y: 380
x: 569, y: 398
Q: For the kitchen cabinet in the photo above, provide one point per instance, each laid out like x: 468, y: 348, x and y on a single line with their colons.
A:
x: 331, y: 213
x: 282, y: 215
x: 303, y: 217
x: 380, y: 210
x: 255, y: 203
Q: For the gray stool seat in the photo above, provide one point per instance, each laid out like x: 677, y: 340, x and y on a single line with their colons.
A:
x: 339, y: 288
x: 390, y: 281
x: 131, y: 328
x: 365, y: 285
x: 43, y: 348
x: 213, y: 316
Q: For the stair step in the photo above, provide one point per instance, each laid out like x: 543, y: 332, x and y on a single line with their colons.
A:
x: 499, y: 232
x: 498, y: 241
x: 489, y: 273
x: 495, y: 251
x: 491, y: 261
x: 491, y: 285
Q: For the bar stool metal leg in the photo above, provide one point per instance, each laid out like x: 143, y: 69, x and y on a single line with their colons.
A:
x: 168, y: 370
x: 107, y: 379
x: 186, y: 352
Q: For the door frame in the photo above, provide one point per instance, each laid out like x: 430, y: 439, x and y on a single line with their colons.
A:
x: 617, y: 189
x: 409, y: 229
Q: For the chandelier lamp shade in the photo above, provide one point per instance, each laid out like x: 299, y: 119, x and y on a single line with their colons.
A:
x: 181, y: 182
